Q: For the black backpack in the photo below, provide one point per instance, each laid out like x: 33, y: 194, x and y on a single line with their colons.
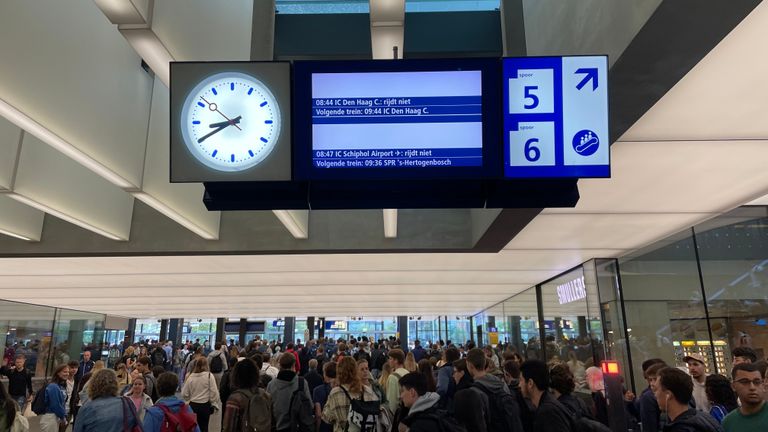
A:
x: 300, y: 410
x: 363, y: 413
x: 583, y: 423
x: 445, y: 422
x: 158, y: 357
x: 38, y: 403
x: 217, y: 364
x: 504, y: 411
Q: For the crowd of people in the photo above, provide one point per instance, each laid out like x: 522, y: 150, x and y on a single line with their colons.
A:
x: 373, y: 386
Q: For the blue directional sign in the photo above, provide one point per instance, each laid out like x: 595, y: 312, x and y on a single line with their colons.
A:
x: 556, y: 117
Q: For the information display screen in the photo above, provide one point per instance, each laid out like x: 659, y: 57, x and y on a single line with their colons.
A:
x: 392, y: 116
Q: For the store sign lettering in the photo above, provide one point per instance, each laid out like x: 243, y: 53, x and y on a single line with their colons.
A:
x: 572, y: 291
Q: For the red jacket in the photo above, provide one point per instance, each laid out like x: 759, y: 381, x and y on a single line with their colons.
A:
x: 297, y: 366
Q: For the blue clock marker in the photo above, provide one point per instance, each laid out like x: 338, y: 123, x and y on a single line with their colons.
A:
x: 213, y: 89
x: 202, y: 105
x: 196, y: 122
x: 250, y: 152
x: 232, y: 86
x: 263, y: 104
x: 232, y: 158
x: 214, y: 153
x: 268, y: 122
x: 250, y: 91
x: 264, y: 140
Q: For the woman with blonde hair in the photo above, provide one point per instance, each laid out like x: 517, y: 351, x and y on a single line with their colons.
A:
x: 105, y: 411
x: 122, y: 374
x: 201, y: 393
x: 386, y: 370
x: 350, y: 386
x: 410, y: 362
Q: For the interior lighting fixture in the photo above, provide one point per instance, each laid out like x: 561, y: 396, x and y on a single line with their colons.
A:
x: 14, y: 235
x: 66, y: 217
x: 390, y: 223
x: 43, y: 134
x: 173, y: 214
x: 122, y: 11
x: 297, y: 222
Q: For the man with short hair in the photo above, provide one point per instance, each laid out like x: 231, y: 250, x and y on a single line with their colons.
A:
x: 320, y: 396
x: 289, y: 350
x: 674, y: 391
x: 86, y: 365
x: 144, y: 365
x: 154, y: 417
x: 282, y: 389
x: 504, y: 417
x: 313, y: 378
x: 418, y: 351
x: 647, y: 408
x: 752, y: 415
x: 217, y: 361
x: 396, y: 359
x: 422, y: 405
x: 550, y: 415
x: 19, y: 380
x: 743, y: 355
x: 698, y: 370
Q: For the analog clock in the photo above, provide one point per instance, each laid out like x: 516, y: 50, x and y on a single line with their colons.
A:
x: 230, y: 121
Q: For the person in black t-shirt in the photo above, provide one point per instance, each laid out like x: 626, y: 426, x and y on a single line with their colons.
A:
x: 19, y: 380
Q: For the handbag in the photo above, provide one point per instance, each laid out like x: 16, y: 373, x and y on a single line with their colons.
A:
x: 129, y: 407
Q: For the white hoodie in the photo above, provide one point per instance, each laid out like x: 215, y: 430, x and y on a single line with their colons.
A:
x: 201, y: 387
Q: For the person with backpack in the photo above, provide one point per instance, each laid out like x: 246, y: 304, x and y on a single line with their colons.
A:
x: 352, y: 406
x: 202, y: 393
x: 563, y: 383
x: 470, y: 404
x: 248, y: 408
x: 320, y: 396
x: 170, y: 414
x: 550, y: 415
x: 105, y: 411
x: 50, y: 401
x: 159, y: 357
x: 504, y: 409
x: 143, y: 366
x: 446, y: 386
x: 396, y: 360
x: 291, y: 401
x: 217, y: 361
x: 423, y: 413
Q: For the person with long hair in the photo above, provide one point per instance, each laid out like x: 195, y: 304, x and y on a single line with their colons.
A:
x: 201, y: 392
x: 350, y: 386
x: 140, y: 399
x: 721, y: 395
x: 386, y: 370
x: 410, y: 362
x: 10, y: 417
x: 105, y: 410
x: 55, y: 401
x: 245, y: 382
x: 425, y: 368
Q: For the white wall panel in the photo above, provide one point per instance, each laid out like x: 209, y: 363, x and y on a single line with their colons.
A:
x: 55, y: 181
x: 204, y: 30
x: 73, y: 73
x: 10, y: 135
x: 557, y: 27
x: 19, y: 219
x: 185, y: 199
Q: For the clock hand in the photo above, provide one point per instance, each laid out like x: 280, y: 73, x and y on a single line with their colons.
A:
x: 226, y: 123
x: 221, y: 127
x: 214, y: 107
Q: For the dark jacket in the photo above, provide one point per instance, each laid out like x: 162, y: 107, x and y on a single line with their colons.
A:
x: 577, y: 408
x: 470, y: 406
x: 552, y: 416
x: 495, y: 388
x: 421, y: 416
x: 419, y: 353
x: 313, y: 378
x: 84, y: 368
x: 648, y: 411
x: 19, y: 382
x: 693, y: 421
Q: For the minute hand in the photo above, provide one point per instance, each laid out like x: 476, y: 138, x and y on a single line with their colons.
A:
x: 219, y: 127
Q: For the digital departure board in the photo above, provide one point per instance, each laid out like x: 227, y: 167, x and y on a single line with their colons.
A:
x: 382, y: 118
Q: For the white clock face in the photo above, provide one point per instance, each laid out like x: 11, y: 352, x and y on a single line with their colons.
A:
x: 230, y: 121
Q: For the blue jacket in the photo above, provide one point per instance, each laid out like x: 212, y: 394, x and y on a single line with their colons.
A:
x: 446, y: 386
x: 55, y: 400
x: 419, y: 353
x: 648, y: 411
x: 153, y: 419
x: 104, y: 414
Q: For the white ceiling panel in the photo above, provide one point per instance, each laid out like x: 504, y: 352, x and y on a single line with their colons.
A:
x: 665, y: 177
x: 74, y: 74
x: 590, y: 231
x: 725, y: 97
x: 10, y: 136
x: 20, y: 221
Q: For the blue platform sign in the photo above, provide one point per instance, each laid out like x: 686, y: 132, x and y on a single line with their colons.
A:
x: 556, y: 117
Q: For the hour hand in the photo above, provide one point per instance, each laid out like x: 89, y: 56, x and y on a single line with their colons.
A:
x: 232, y: 122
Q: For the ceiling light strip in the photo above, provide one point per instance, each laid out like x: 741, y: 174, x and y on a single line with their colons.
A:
x: 390, y: 223
x: 14, y: 235
x: 40, y: 132
x: 174, y: 215
x: 150, y: 48
x: 296, y: 221
x: 32, y: 203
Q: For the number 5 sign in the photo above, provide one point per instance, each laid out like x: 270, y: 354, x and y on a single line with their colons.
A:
x: 556, y: 119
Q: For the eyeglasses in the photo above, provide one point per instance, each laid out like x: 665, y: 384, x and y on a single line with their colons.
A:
x: 757, y: 382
